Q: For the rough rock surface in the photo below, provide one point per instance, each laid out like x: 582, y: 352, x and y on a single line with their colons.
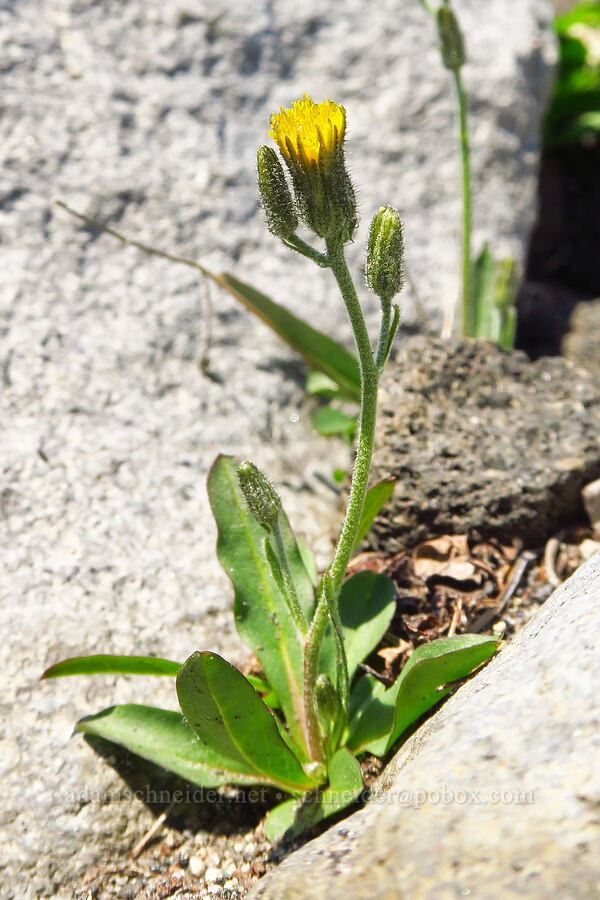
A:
x: 483, y: 442
x: 497, y: 795
x: 148, y: 116
x: 581, y: 343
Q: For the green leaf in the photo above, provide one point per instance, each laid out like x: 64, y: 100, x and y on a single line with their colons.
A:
x: 377, y: 497
x: 292, y: 817
x: 319, y: 351
x: 269, y: 697
x: 163, y: 737
x: 320, y: 385
x: 103, y: 664
x: 371, y: 715
x: 367, y: 603
x: 330, y: 421
x: 380, y: 716
x: 494, y: 287
x: 262, y: 617
x: 232, y: 722
x: 482, y: 286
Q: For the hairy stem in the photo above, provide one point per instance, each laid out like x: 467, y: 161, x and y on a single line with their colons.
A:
x: 468, y: 312
x: 369, y: 377
x: 332, y: 581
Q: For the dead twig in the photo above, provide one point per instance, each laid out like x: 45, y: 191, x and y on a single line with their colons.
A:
x: 517, y: 571
x: 550, y: 554
x: 154, y: 828
x: 455, y: 617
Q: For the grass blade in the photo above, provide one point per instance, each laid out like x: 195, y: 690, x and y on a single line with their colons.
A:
x: 105, y: 664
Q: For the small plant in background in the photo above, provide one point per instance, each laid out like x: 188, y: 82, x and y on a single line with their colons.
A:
x: 302, y: 726
x: 574, y: 112
x: 489, y: 286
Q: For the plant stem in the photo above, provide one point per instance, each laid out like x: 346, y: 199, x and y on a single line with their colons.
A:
x: 296, y: 243
x: 333, y: 578
x: 384, y: 334
x: 468, y: 313
x: 369, y: 377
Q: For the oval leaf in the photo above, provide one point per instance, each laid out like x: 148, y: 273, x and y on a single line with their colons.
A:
x: 262, y: 617
x: 231, y: 720
x: 163, y: 737
x: 384, y: 714
x: 367, y: 603
x: 292, y: 817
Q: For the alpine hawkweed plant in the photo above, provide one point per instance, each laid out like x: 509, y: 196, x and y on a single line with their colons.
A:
x: 302, y: 726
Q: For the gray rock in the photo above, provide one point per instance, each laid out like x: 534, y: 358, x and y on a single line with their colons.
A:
x: 497, y: 795
x: 148, y: 117
x: 483, y: 442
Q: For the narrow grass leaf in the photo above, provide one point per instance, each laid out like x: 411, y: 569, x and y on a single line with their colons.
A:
x: 319, y: 351
x: 104, y: 664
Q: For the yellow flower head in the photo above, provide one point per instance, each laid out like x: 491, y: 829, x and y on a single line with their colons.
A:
x: 310, y: 134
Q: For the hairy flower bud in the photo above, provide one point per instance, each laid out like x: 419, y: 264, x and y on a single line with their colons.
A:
x: 384, y: 270
x: 452, y: 45
x: 261, y: 497
x: 310, y: 137
x: 275, y: 194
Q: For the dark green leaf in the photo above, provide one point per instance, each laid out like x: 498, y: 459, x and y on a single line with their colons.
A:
x: 371, y: 715
x: 103, y: 664
x: 418, y: 688
x: 366, y: 603
x: 295, y: 816
x: 262, y: 617
x: 232, y: 722
x: 330, y: 421
x: 319, y: 351
x: 377, y: 497
x: 162, y: 737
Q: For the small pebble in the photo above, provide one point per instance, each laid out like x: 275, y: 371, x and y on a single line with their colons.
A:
x: 249, y: 850
x: 197, y: 865
x: 213, y: 874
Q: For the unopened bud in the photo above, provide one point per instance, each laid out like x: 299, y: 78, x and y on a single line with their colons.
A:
x: 452, y: 45
x: 385, y: 251
x: 275, y: 194
x: 261, y: 497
